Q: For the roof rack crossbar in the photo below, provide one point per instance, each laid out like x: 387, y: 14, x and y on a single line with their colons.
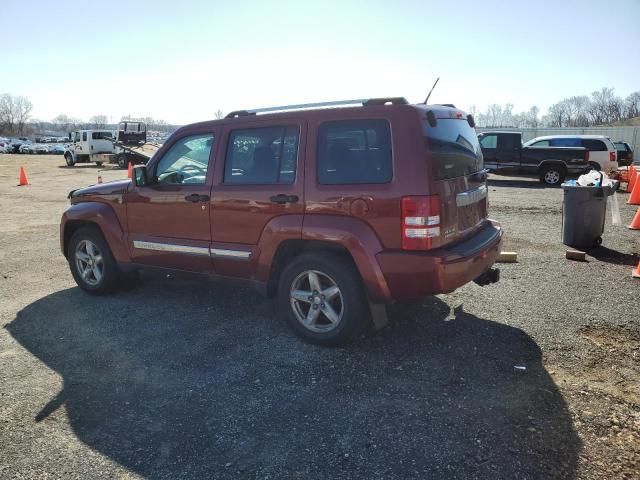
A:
x: 367, y: 102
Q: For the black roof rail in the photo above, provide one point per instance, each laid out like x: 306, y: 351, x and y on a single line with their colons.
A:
x: 383, y: 101
x: 239, y: 113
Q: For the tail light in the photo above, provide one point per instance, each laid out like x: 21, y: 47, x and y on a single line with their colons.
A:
x: 420, y: 221
x: 612, y: 156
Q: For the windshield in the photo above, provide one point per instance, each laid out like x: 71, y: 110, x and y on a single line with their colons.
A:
x: 454, y: 148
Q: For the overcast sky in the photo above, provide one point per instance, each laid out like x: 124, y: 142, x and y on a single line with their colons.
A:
x: 182, y: 60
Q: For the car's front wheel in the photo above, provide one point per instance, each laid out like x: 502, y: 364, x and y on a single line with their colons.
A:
x: 92, y: 265
x: 322, y: 299
x: 69, y: 159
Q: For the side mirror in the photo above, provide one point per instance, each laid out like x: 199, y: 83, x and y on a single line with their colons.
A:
x: 140, y: 176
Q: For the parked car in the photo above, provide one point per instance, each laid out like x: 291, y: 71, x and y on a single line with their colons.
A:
x: 336, y: 211
x: 41, y: 149
x: 602, y: 152
x: 625, y: 153
x: 504, y: 153
x: 56, y: 149
x: 26, y: 148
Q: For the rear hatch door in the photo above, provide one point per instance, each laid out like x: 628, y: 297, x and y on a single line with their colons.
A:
x: 458, y: 175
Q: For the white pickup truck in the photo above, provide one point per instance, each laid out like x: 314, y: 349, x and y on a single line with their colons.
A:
x: 102, y: 146
x: 89, y: 146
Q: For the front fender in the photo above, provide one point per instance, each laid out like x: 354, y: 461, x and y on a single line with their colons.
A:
x: 105, y: 218
x: 361, y: 242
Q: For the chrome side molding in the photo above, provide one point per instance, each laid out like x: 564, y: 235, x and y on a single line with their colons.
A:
x: 190, y: 250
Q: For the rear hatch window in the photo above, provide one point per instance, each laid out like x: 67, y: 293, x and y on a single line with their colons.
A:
x: 458, y: 177
x: 454, y: 148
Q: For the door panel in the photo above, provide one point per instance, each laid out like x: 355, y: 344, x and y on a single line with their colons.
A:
x: 169, y: 220
x: 259, y: 179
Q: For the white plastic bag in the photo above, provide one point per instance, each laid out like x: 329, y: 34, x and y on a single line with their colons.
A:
x: 593, y: 179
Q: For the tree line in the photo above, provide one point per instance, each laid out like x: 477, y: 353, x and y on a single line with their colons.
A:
x: 15, y: 120
x: 602, y: 107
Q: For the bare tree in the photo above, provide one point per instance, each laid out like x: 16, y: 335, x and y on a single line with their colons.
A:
x: 532, y: 117
x: 632, y: 105
x: 14, y: 113
x: 218, y: 115
x: 65, y: 123
x: 99, y: 121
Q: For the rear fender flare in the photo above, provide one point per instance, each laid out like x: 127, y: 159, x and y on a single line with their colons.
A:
x: 360, y: 241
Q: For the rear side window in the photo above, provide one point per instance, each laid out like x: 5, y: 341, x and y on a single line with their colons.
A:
x: 565, y: 142
x: 354, y: 151
x: 262, y: 155
x: 101, y: 135
x: 594, y: 145
x: 489, y: 141
x: 454, y: 148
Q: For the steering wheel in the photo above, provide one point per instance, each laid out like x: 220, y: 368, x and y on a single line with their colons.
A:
x: 191, y: 166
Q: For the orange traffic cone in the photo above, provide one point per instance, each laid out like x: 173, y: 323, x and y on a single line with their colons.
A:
x: 22, y: 178
x: 636, y: 273
x: 130, y: 170
x: 634, y: 198
x: 633, y: 175
x: 635, y: 223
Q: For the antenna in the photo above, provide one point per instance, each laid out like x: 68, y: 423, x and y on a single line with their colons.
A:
x: 431, y: 91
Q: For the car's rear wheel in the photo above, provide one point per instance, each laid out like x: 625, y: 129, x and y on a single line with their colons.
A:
x: 92, y: 265
x: 69, y: 159
x: 322, y: 299
x: 122, y: 161
x: 552, y: 175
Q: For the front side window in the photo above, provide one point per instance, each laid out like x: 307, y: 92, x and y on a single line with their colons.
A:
x: 489, y: 141
x: 541, y: 143
x: 262, y: 156
x: 84, y: 136
x: 354, y: 151
x: 186, y: 162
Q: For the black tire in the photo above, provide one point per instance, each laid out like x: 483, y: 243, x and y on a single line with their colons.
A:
x: 552, y: 175
x: 597, y: 242
x: 595, y: 166
x: 69, y: 159
x: 351, y: 299
x: 99, y: 164
x: 110, y: 274
x: 122, y: 161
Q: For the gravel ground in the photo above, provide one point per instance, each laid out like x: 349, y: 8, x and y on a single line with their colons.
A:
x: 185, y: 378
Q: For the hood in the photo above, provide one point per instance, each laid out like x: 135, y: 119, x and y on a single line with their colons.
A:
x: 116, y: 187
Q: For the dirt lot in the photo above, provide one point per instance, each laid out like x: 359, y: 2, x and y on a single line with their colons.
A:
x: 183, y: 378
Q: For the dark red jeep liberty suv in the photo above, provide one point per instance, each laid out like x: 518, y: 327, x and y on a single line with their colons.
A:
x: 337, y: 211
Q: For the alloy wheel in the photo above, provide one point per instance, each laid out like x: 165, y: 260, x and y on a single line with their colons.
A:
x: 316, y: 301
x: 89, y: 262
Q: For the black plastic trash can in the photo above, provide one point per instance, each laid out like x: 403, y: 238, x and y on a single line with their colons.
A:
x: 583, y: 213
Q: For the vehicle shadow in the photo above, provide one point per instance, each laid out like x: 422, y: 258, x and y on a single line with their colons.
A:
x: 497, y: 181
x: 185, y: 379
x: 608, y: 255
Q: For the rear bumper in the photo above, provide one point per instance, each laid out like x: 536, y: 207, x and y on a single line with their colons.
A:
x: 411, y: 275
